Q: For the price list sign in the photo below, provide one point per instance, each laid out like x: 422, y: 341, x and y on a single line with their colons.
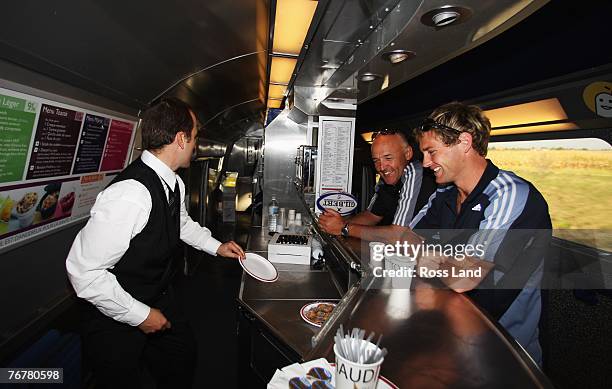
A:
x: 16, y: 122
x: 117, y: 145
x: 55, y: 142
x: 91, y: 144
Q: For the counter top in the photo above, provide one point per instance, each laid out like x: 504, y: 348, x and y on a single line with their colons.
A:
x: 435, y: 337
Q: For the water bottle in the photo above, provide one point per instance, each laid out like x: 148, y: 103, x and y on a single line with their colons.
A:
x: 272, y: 215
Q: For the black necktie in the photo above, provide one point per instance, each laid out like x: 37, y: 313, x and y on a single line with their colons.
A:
x: 174, y: 199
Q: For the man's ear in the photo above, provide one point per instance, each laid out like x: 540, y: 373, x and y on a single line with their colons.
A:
x: 408, y: 153
x: 465, y: 140
x: 179, y: 138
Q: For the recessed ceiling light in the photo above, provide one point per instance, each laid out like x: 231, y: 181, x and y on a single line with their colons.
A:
x: 445, y: 16
x: 367, y: 77
x: 397, y: 56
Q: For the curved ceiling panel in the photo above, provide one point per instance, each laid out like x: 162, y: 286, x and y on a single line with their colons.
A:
x: 134, y: 51
x: 229, y: 89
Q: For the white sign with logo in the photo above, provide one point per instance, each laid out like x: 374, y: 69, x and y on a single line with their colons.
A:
x: 343, y: 203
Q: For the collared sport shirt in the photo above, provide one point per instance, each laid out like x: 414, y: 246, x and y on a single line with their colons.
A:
x: 501, y: 201
x: 414, y: 190
x: 384, y: 201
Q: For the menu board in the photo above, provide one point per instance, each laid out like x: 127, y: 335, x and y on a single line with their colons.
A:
x: 91, y: 146
x: 17, y: 118
x: 54, y: 160
x: 335, y: 154
x: 117, y: 145
x: 55, y: 142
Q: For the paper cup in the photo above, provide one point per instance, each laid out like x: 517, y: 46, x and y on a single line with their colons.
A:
x: 376, y: 254
x: 402, y: 267
x: 352, y: 375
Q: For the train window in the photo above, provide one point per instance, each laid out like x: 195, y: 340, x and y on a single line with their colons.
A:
x: 575, y: 177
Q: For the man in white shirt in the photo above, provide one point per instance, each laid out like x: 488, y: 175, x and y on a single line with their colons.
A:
x: 122, y: 261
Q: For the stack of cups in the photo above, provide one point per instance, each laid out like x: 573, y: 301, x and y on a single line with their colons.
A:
x: 280, y: 223
x: 291, y: 219
x: 403, y: 267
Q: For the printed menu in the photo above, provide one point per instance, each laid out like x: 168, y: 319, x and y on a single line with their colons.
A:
x: 55, y: 142
x: 54, y: 160
x: 16, y: 122
x: 91, y: 144
x: 334, y: 155
x: 117, y: 145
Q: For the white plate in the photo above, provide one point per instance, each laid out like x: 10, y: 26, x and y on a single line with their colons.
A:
x: 259, y: 268
x: 308, y: 307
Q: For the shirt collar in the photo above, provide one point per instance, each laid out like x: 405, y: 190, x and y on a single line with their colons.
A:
x: 489, y: 174
x: 416, y: 164
x: 162, y: 170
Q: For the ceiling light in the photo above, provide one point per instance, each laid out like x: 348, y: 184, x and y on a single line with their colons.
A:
x: 281, y: 70
x: 397, y: 56
x: 445, y: 16
x: 367, y: 77
x: 539, y: 111
x: 277, y: 91
x: 533, y: 116
x: 274, y: 103
x: 291, y: 24
x: 367, y: 136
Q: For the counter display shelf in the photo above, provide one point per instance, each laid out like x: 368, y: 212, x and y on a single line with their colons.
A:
x: 435, y: 337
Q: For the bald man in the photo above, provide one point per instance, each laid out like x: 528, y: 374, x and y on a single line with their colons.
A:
x: 402, y: 189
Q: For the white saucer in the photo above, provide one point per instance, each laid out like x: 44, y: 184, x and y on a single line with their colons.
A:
x: 259, y: 268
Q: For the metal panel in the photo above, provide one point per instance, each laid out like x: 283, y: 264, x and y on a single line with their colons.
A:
x: 351, y: 39
x: 282, y: 138
x: 133, y: 52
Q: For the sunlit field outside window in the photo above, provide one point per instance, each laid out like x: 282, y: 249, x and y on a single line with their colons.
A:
x: 575, y: 177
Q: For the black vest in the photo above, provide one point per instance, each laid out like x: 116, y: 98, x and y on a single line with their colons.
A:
x: 146, y: 268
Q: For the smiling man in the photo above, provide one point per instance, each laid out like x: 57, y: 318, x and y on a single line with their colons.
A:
x: 478, y: 203
x: 402, y: 189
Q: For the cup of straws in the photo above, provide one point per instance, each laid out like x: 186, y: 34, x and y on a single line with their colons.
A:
x: 358, y: 360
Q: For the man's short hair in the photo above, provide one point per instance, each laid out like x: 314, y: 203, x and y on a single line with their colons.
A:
x: 450, y: 120
x: 163, y: 121
x: 407, y: 138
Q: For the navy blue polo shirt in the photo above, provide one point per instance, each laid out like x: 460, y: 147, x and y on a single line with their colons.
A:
x: 501, y: 201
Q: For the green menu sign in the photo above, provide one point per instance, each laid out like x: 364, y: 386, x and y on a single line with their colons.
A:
x: 16, y: 124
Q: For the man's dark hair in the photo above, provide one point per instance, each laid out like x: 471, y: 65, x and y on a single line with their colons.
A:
x: 163, y: 121
x: 450, y: 120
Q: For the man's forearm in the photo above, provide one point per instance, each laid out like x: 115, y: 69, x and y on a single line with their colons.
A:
x: 387, y: 234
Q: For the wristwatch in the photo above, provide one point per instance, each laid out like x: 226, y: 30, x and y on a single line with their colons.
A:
x: 345, y: 232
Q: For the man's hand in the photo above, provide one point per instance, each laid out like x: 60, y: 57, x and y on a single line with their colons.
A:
x: 156, y: 321
x: 231, y: 250
x: 331, y: 222
x: 430, y: 262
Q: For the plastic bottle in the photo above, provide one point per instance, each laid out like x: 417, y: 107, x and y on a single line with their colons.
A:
x: 272, y: 214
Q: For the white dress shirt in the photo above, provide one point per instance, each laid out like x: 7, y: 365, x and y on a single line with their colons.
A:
x: 121, y: 211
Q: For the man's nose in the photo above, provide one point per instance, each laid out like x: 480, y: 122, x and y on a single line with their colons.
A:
x: 426, y: 160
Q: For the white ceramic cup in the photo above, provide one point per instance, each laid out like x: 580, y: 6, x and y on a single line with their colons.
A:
x: 351, y: 375
x: 403, y: 266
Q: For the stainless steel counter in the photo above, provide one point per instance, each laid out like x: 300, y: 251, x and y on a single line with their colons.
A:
x: 436, y: 338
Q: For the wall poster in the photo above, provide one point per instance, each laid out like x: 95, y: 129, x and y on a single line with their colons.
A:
x: 335, y: 154
x: 54, y: 160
